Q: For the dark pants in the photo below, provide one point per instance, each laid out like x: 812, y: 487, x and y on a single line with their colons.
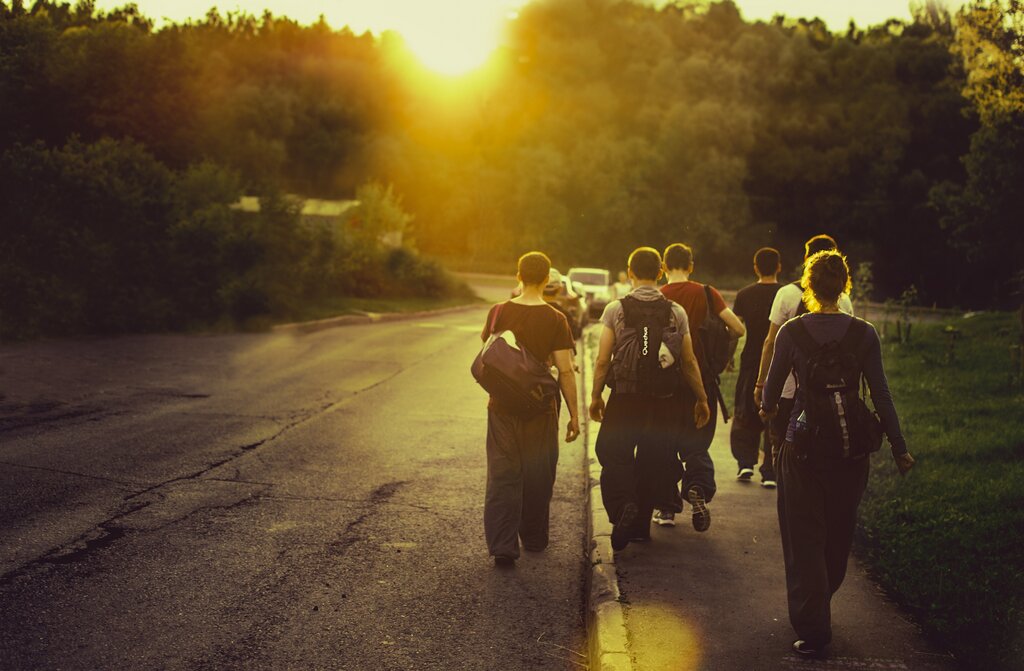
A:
x: 817, y: 504
x: 779, y: 424
x: 522, y: 457
x: 693, y: 444
x: 749, y: 435
x: 636, y: 449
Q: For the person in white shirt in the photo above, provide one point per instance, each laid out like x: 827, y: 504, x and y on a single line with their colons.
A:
x: 789, y: 303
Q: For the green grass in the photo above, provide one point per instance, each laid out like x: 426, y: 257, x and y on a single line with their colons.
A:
x: 947, y: 541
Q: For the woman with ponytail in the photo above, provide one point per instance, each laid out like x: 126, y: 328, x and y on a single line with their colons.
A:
x: 821, y: 479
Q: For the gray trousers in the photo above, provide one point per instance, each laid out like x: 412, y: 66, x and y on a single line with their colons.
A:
x: 817, y: 515
x: 522, y: 457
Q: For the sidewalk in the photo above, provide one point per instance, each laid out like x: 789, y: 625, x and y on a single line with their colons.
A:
x: 716, y: 601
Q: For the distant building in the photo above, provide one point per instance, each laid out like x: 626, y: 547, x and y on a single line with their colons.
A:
x: 315, y: 210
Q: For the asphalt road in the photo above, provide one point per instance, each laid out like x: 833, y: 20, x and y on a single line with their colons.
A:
x: 268, y: 502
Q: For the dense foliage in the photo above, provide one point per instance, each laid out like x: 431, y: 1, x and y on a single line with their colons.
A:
x: 615, y: 124
x: 600, y: 125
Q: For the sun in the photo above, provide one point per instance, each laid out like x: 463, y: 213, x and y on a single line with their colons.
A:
x: 450, y: 52
x: 452, y: 38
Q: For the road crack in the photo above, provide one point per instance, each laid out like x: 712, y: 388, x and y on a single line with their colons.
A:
x: 73, y: 473
x: 351, y: 535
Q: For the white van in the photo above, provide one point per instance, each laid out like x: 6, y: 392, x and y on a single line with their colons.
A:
x: 596, y: 284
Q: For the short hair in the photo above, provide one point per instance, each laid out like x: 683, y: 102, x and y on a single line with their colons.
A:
x: 766, y: 260
x: 826, y: 277
x: 678, y: 256
x: 534, y: 268
x: 819, y: 243
x: 645, y: 263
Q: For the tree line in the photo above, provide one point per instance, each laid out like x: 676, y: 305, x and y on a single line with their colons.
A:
x: 597, y: 126
x: 616, y: 124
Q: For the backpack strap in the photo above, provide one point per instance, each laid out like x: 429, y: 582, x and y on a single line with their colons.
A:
x: 708, y: 299
x: 808, y: 345
x: 854, y: 335
x: 631, y: 306
x: 801, y: 308
x: 805, y: 342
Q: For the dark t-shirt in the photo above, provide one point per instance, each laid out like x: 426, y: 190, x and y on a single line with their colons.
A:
x: 540, y: 329
x: 691, y: 296
x: 753, y: 305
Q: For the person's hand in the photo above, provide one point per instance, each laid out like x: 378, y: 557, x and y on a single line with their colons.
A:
x: 572, y: 431
x: 701, y: 414
x: 597, y: 409
x: 904, y: 462
x: 767, y: 416
x: 758, y: 396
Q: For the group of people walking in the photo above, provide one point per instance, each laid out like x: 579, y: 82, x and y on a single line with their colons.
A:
x: 798, y: 401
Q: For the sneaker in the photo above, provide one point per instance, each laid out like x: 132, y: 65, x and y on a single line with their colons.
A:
x: 623, y: 529
x: 769, y: 484
x: 502, y: 561
x: 701, y: 514
x: 664, y: 519
x: 805, y: 649
x: 745, y: 474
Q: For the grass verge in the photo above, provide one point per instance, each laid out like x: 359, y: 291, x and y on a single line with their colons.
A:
x: 947, y: 542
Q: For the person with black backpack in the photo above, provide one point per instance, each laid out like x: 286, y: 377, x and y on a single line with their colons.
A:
x: 645, y: 356
x: 822, y: 465
x: 717, y: 329
x: 789, y: 303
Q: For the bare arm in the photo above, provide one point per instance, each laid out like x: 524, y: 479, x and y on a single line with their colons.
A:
x: 604, y: 359
x: 733, y: 322
x: 767, y: 352
x: 567, y: 383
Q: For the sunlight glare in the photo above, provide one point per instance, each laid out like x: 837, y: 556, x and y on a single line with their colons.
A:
x: 451, y: 37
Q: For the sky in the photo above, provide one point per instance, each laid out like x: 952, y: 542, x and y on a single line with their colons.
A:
x: 455, y: 35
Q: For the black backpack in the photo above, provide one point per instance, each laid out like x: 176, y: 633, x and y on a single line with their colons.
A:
x: 636, y: 366
x: 837, y: 421
x: 715, y: 339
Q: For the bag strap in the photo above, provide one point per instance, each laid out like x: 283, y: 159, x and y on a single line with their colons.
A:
x: 805, y: 342
x: 708, y: 300
x: 801, y: 307
x: 854, y: 335
x: 494, y: 319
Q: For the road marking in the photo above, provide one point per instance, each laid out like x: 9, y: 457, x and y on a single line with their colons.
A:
x: 430, y: 325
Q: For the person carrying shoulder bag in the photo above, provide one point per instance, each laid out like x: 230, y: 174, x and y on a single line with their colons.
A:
x: 522, y: 433
x: 822, y: 465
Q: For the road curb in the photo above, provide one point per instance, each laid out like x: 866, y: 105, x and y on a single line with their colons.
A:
x: 302, y: 328
x: 606, y: 617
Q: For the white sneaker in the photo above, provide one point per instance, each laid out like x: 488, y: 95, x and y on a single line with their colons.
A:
x: 745, y: 474
x: 768, y: 484
x: 664, y: 519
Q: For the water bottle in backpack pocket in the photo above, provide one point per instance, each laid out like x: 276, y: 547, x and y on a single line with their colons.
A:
x: 837, y: 423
